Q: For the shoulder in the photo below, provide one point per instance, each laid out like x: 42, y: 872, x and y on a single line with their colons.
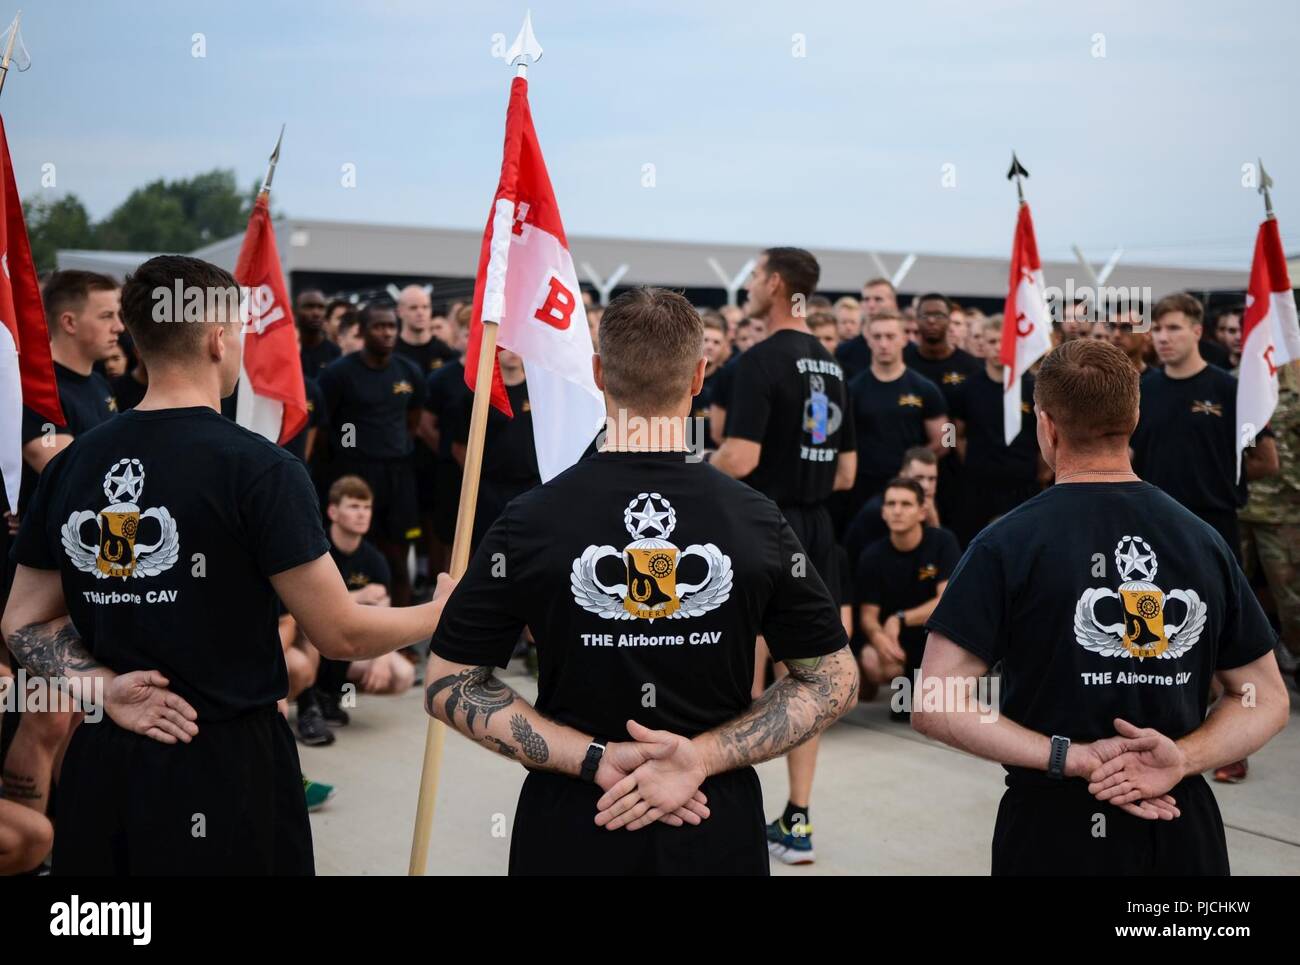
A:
x: 340, y: 366
x: 919, y: 383
x: 407, y: 367
x: 941, y: 538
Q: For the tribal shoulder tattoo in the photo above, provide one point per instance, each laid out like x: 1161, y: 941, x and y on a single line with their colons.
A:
x: 475, y: 690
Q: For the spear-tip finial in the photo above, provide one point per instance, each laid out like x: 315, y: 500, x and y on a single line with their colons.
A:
x: 272, y: 161
x: 1265, y: 183
x: 525, y: 51
x: 15, y: 51
x: 1019, y: 173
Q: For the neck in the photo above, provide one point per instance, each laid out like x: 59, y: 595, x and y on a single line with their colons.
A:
x: 309, y: 338
x: 412, y: 337
x: 68, y: 356
x: 994, y: 370
x: 182, y: 388
x: 908, y: 539
x: 630, y: 432
x: 344, y: 541
x: 889, y: 372
x: 1113, y: 466
x: 512, y: 376
x: 934, y: 351
x: 1192, y: 365
x: 779, y: 319
x: 373, y: 360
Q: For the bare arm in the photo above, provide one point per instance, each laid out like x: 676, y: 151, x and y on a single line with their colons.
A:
x: 1261, y: 459
x: 846, y: 471
x: 38, y: 452
x: 795, y: 709
x: 737, y: 457
x: 1254, y: 707
x: 428, y: 430
x: 934, y: 435
x: 339, y: 626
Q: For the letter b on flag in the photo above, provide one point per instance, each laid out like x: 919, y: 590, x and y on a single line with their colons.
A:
x: 557, y: 308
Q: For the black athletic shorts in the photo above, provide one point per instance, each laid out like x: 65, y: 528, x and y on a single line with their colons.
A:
x: 396, y: 516
x: 555, y: 832
x: 228, y: 803
x: 1058, y: 828
x: 816, y: 534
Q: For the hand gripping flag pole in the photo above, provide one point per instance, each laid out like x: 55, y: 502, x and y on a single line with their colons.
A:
x: 525, y: 51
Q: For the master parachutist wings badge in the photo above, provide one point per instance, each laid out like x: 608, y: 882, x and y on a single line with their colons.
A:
x: 651, y: 591
x: 117, y: 551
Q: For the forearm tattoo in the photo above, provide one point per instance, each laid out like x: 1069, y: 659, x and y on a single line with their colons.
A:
x: 794, y: 710
x: 474, y: 689
x: 500, y: 746
x: 533, y: 743
x: 51, y: 652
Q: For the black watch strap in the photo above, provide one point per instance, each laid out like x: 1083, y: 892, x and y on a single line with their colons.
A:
x: 1056, y: 762
x: 591, y: 763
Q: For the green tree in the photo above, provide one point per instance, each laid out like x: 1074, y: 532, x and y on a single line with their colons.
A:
x: 54, y: 224
x: 177, y: 215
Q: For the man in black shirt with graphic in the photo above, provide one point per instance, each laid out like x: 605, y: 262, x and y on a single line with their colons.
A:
x: 919, y: 464
x: 644, y: 577
x: 373, y: 400
x: 1186, y: 438
x: 82, y: 310
x: 878, y: 296
x: 893, y: 407
x: 717, y: 350
x: 900, y: 579
x: 445, y: 392
x: 790, y: 436
x: 315, y: 350
x: 995, y: 478
x: 1110, y: 609
x: 152, y: 562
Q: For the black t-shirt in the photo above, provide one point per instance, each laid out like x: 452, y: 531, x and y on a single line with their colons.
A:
x: 166, y: 526
x: 1185, y: 441
x: 363, y: 566
x: 315, y: 420
x: 988, y: 457
x: 724, y: 381
x: 948, y: 374
x: 587, y: 558
x: 895, y: 580
x: 789, y: 396
x: 701, y: 403
x: 314, y: 360
x: 374, y: 402
x: 890, y: 419
x: 87, y: 401
x: 509, y: 452
x: 127, y: 391
x: 445, y: 392
x: 854, y: 356
x: 430, y: 356
x: 1066, y: 590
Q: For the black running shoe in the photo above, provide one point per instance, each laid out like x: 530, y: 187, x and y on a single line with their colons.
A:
x: 334, y: 715
x: 312, y: 730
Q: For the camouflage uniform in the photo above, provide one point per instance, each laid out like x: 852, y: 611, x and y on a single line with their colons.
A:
x: 1270, y: 520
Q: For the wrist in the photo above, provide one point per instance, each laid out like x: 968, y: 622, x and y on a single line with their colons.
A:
x: 1076, y: 760
x: 708, y: 753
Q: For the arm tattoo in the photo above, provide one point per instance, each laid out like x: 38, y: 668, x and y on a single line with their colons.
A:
x: 500, y: 746
x: 533, y: 743
x: 51, y: 652
x: 475, y: 689
x: 794, y: 710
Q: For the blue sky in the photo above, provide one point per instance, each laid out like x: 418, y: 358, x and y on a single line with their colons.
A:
x: 842, y: 147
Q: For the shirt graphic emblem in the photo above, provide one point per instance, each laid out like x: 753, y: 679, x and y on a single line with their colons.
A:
x: 402, y: 388
x: 1143, y: 631
x: 953, y: 378
x: 927, y: 572
x: 650, y: 565
x: 909, y: 398
x: 1200, y: 407
x: 821, y: 416
x: 115, y: 551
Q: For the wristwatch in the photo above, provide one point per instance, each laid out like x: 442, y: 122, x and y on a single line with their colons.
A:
x: 591, y: 763
x: 1056, y: 761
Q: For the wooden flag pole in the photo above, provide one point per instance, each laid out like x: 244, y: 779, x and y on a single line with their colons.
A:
x: 523, y: 51
x: 436, y: 734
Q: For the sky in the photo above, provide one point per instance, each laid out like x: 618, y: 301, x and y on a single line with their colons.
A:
x: 824, y: 124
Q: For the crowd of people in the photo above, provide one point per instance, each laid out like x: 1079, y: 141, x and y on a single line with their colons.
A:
x: 907, y: 399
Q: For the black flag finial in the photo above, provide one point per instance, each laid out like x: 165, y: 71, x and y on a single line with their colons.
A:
x: 1019, y: 173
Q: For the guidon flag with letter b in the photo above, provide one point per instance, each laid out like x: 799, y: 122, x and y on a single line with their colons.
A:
x: 526, y: 284
x: 1027, y: 325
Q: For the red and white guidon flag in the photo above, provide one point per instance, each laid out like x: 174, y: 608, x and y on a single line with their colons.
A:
x: 272, y: 398
x: 1027, y: 323
x: 1270, y: 336
x: 527, y: 284
x: 26, y: 369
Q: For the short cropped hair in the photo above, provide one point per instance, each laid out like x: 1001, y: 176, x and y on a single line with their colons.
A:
x: 911, y: 485
x: 713, y: 320
x: 161, y: 328
x: 820, y: 320
x: 369, y: 310
x: 933, y: 297
x: 350, y: 487
x: 921, y: 454
x: 1189, y: 305
x: 1090, y: 389
x: 67, y: 291
x: 650, y: 339
x: 798, y: 269
x: 881, y: 281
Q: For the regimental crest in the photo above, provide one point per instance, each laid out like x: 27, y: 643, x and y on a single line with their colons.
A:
x: 953, y: 378
x: 1205, y: 407
x: 1143, y: 630
x: 120, y: 527
x: 911, y: 399
x: 821, y: 416
x: 402, y: 387
x: 650, y: 566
